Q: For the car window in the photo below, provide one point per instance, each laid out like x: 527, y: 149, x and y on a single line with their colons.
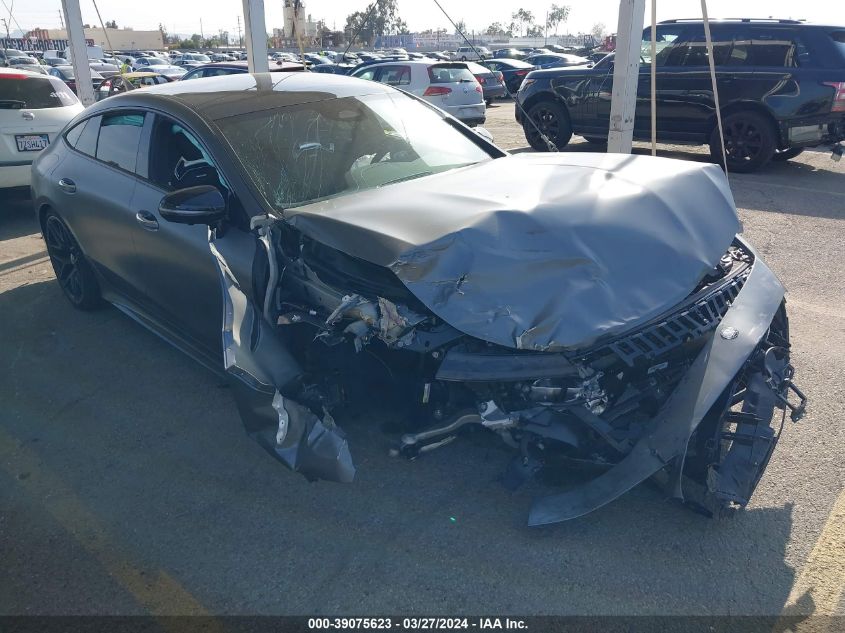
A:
x: 668, y: 49
x: 367, y: 74
x: 395, y: 75
x: 83, y: 136
x: 177, y: 160
x: 773, y: 47
x: 766, y: 47
x: 23, y: 91
x: 117, y: 143
x: 446, y: 74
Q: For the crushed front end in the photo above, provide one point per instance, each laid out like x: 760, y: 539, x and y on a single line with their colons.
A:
x: 689, y: 397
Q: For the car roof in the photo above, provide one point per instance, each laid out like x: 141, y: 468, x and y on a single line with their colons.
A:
x: 139, y: 74
x: 214, y: 98
x: 18, y: 72
x: 412, y: 62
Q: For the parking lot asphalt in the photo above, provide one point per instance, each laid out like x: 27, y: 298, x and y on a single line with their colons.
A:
x: 127, y: 485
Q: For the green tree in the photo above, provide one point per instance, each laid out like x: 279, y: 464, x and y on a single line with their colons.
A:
x: 534, y: 30
x: 460, y: 27
x: 522, y: 19
x: 557, y: 14
x: 379, y: 18
x: 598, y: 30
x: 111, y: 24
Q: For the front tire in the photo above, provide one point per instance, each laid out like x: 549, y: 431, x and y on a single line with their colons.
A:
x: 73, y: 271
x: 750, y: 141
x: 553, y: 120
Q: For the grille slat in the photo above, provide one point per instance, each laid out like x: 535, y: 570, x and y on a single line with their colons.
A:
x: 688, y: 324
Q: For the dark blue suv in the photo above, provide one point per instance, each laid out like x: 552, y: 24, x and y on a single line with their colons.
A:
x: 781, y: 88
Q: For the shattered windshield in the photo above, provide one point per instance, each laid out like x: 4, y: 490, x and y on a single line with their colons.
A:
x: 307, y: 152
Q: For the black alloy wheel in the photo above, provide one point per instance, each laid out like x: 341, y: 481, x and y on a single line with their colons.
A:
x: 73, y: 271
x: 749, y: 141
x: 553, y: 121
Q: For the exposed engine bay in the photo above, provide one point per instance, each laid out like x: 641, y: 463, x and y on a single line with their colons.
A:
x: 590, y: 405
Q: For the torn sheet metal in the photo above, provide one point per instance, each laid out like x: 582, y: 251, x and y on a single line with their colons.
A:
x: 549, y: 251
x: 260, y: 365
x: 715, y: 367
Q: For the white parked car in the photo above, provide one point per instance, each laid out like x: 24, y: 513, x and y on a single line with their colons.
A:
x: 448, y: 85
x: 33, y: 110
x: 467, y: 53
x: 158, y: 65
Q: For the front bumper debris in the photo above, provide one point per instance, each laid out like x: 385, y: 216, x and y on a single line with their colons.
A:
x: 739, y: 340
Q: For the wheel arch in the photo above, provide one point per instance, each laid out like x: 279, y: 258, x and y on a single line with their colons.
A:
x: 545, y: 95
x: 749, y: 106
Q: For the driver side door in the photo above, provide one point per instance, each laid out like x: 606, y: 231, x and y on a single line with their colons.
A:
x: 178, y: 272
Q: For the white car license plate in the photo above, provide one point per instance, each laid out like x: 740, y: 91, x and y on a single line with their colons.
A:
x: 32, y: 142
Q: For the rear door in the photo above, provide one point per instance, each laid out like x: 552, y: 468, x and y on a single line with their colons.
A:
x: 95, y: 186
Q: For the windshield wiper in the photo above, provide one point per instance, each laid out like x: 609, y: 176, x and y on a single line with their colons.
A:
x: 409, y: 177
x: 12, y: 104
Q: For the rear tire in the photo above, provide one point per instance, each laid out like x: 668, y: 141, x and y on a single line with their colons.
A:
x: 73, y: 271
x: 783, y: 155
x: 750, y: 141
x: 553, y: 120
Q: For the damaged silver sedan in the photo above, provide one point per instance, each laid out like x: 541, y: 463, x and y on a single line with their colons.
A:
x: 586, y: 308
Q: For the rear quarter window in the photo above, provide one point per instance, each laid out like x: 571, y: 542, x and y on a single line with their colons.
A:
x: 83, y: 136
x: 120, y: 135
x: 838, y: 38
x: 39, y: 92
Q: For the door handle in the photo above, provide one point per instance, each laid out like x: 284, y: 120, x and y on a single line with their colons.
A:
x: 67, y: 185
x: 147, y: 220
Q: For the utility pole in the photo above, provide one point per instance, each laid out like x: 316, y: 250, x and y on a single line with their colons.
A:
x: 202, y: 35
x: 62, y: 19
x: 240, y: 39
x: 5, y: 50
x: 626, y: 74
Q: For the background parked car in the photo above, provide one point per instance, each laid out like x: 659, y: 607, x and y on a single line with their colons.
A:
x: 514, y: 71
x: 556, y: 60
x: 129, y: 81
x: 105, y: 69
x: 67, y: 75
x: 217, y: 69
x: 191, y: 60
x: 448, y: 85
x: 9, y: 53
x: 468, y: 53
x: 33, y: 110
x: 492, y: 81
x: 158, y: 65
x: 781, y: 88
x: 508, y: 53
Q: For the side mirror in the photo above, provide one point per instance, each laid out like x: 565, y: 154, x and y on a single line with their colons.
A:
x: 195, y: 205
x: 484, y: 133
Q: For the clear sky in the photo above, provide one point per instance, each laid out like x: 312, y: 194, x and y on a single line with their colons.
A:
x: 183, y: 16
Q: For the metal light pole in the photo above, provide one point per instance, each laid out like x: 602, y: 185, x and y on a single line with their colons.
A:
x: 79, y: 51
x: 256, y: 36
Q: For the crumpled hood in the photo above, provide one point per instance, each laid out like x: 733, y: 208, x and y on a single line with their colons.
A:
x: 541, y: 251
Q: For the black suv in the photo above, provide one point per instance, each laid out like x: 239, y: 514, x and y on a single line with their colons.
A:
x: 781, y: 87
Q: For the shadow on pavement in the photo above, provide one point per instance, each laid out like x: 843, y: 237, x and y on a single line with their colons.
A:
x: 154, y: 450
x: 16, y: 217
